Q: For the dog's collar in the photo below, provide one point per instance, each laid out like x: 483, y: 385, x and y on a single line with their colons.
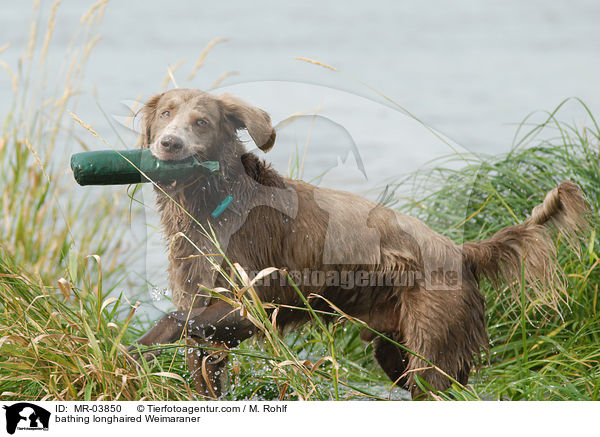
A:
x: 224, y: 204
x: 221, y: 207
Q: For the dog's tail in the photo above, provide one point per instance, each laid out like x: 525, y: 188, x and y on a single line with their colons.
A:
x: 526, y: 251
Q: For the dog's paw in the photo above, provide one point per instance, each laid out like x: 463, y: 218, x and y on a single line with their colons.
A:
x: 135, y: 355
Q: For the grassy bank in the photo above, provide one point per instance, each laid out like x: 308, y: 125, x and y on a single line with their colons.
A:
x: 65, y: 324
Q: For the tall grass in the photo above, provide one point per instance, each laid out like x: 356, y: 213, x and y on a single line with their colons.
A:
x: 52, y: 328
x: 68, y: 345
x: 44, y: 228
x: 63, y: 330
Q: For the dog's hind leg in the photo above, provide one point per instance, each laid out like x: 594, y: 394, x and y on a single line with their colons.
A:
x: 445, y: 329
x: 392, y: 360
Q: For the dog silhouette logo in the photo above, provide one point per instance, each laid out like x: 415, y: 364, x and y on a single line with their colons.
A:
x: 26, y: 416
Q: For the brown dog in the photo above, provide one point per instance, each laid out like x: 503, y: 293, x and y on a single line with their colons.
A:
x: 406, y: 281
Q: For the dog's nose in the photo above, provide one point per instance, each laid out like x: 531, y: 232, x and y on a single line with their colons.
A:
x: 171, y: 143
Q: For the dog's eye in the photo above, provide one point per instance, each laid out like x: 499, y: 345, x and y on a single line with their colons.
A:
x: 166, y: 114
x: 201, y: 122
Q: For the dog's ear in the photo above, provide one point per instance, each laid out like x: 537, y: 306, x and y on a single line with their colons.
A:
x: 148, y: 116
x: 256, y: 121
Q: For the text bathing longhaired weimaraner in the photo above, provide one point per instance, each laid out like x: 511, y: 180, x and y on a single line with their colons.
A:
x: 262, y: 219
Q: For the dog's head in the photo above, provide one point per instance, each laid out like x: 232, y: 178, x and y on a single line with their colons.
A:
x: 180, y: 123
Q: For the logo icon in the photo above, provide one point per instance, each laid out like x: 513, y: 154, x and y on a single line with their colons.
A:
x: 26, y: 416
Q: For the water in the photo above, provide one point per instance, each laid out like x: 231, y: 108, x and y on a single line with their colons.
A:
x: 467, y: 69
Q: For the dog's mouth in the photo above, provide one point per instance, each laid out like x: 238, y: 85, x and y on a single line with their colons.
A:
x: 192, y: 168
x: 200, y: 156
x: 172, y: 157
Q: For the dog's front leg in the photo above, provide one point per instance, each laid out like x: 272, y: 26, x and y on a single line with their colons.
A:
x: 217, y: 326
x: 207, y: 363
x: 167, y: 330
x: 220, y: 322
x: 212, y: 331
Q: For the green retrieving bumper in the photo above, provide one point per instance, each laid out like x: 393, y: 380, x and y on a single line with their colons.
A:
x: 112, y: 167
